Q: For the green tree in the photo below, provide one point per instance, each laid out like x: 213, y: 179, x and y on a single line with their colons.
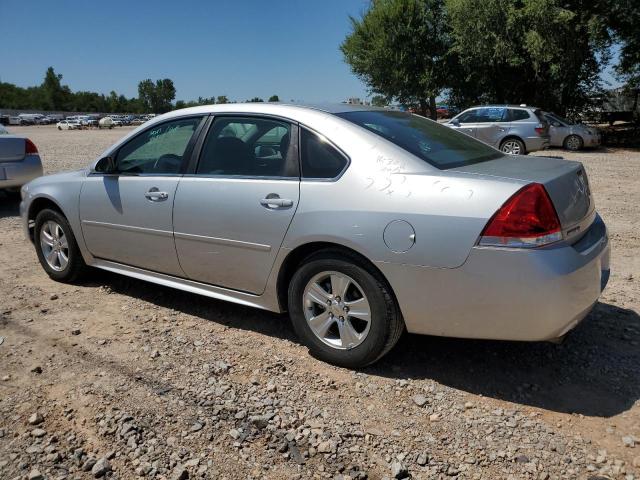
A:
x: 54, y: 96
x: 274, y: 98
x: 379, y: 101
x: 255, y: 100
x: 222, y: 99
x: 399, y: 48
x: 157, y: 97
x: 547, y: 53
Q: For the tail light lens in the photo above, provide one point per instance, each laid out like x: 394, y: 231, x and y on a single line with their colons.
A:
x: 527, y: 220
x: 29, y: 147
x: 540, y: 129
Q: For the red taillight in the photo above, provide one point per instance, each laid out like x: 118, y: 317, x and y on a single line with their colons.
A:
x: 539, y: 129
x: 29, y: 147
x: 527, y: 219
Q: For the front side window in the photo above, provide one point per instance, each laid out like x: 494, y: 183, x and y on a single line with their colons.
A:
x: 320, y: 159
x: 469, y: 116
x: 249, y: 147
x: 491, y: 114
x: 436, y: 144
x: 159, y: 150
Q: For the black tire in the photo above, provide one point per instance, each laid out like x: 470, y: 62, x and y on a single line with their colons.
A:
x: 59, y: 128
x: 386, y: 323
x: 75, y: 267
x: 573, y: 142
x: 508, y: 141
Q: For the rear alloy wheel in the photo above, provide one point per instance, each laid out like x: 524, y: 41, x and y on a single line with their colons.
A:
x: 512, y: 146
x: 56, y: 247
x: 344, y: 313
x: 573, y: 143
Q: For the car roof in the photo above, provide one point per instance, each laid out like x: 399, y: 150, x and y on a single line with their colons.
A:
x: 531, y: 107
x: 271, y: 107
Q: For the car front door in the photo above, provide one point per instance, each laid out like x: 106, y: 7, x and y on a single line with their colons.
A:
x: 233, y: 210
x: 492, y: 125
x: 126, y: 214
x: 465, y: 122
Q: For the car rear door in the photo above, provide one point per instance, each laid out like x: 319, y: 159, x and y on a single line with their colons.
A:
x: 233, y: 209
x: 492, y: 125
x: 126, y: 215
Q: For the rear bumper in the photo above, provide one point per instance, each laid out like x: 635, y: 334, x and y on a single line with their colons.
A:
x: 506, y: 294
x: 16, y: 174
x: 533, y: 144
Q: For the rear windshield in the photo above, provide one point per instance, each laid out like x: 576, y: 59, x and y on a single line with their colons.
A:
x: 436, y: 144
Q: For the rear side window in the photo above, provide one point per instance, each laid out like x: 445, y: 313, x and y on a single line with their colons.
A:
x: 320, y: 159
x: 436, y: 144
x: 518, y: 115
x: 249, y: 147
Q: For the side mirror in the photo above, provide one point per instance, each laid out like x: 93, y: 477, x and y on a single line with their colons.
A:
x: 455, y: 122
x: 105, y: 165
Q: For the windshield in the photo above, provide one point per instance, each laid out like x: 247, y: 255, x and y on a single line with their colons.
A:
x: 553, y: 116
x: 436, y: 144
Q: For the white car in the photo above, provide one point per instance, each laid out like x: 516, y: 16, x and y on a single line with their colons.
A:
x: 68, y: 125
x: 105, y: 122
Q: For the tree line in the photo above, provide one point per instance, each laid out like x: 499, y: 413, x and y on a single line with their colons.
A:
x: 52, y: 95
x: 547, y: 53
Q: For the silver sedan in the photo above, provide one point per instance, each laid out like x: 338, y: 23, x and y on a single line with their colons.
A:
x: 361, y: 223
x: 19, y: 161
x: 569, y: 135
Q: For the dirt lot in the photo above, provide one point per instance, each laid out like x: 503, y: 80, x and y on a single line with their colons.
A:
x: 122, y: 378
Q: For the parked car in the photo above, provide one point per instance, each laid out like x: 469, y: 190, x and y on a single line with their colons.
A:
x: 68, y: 125
x: 105, y: 122
x: 361, y: 222
x: 517, y: 130
x: 16, y: 121
x: 569, y: 135
x: 19, y: 161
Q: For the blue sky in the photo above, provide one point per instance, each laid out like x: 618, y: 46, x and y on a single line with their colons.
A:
x: 241, y: 48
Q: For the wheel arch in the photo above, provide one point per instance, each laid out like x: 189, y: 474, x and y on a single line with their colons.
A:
x: 301, y: 252
x: 36, y: 206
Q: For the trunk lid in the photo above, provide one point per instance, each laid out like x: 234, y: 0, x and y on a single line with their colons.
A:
x: 565, y: 181
x: 12, y: 148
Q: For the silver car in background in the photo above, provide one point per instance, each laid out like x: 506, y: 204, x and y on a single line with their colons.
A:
x: 19, y: 161
x: 516, y: 130
x: 569, y: 135
x: 360, y: 222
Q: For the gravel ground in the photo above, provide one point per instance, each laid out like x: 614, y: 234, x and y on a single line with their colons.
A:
x: 123, y: 379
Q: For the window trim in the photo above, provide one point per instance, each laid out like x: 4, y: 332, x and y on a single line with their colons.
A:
x: 192, y: 168
x: 340, y: 151
x: 186, y: 157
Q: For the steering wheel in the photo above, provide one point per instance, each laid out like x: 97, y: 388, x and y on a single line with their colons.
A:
x: 169, y: 163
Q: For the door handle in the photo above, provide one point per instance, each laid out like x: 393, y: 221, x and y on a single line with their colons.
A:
x: 156, y: 195
x: 273, y: 200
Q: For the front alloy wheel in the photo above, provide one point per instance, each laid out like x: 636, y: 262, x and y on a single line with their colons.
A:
x: 54, y: 245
